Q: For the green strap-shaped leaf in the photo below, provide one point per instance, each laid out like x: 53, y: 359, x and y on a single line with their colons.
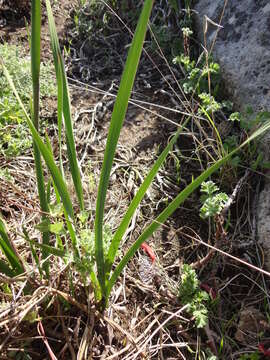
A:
x: 174, y: 205
x: 34, y: 253
x: 49, y: 249
x: 35, y: 69
x: 64, y: 102
x: 5, y: 269
x: 8, y: 250
x: 136, y: 201
x: 117, y: 119
x: 70, y: 227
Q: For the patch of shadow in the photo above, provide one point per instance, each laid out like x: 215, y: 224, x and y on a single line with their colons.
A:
x: 259, y: 4
x: 242, y: 18
x: 149, y: 142
x: 264, y: 40
x: 229, y: 33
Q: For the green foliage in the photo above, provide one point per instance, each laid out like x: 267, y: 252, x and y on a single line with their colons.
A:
x: 56, y: 228
x: 230, y: 143
x: 19, y: 67
x: 185, y: 61
x: 202, y: 78
x: 164, y: 37
x: 213, y: 202
x: 187, y: 31
x: 35, y: 47
x: 189, y: 283
x: 247, y: 122
x: 235, y: 116
x: 14, y: 139
x: 5, y: 174
x: 84, y: 260
x: 94, y: 21
x: 209, y: 103
x: 209, y: 188
x: 190, y: 294
x: 14, y: 266
x: 252, y: 356
x: 174, y: 5
x: 85, y: 263
x: 93, y: 17
x: 87, y: 17
x: 196, y: 75
x: 103, y: 274
x: 14, y: 135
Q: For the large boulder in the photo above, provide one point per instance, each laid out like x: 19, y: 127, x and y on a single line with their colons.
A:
x: 242, y: 48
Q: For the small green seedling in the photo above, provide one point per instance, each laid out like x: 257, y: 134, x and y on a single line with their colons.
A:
x: 197, y: 75
x: 190, y: 294
x: 213, y: 201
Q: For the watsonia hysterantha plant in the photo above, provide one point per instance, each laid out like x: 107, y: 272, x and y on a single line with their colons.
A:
x: 105, y: 272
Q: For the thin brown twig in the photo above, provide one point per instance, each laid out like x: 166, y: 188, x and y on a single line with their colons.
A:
x: 225, y: 253
x: 70, y: 347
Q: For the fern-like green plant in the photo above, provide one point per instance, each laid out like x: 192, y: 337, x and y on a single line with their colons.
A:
x: 190, y: 294
x: 213, y: 200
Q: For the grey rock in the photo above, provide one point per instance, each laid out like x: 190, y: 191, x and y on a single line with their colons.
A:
x: 263, y: 222
x: 242, y: 49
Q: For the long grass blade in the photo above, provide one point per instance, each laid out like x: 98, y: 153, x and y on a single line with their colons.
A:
x: 59, y: 80
x: 8, y: 250
x: 49, y: 160
x: 219, y: 141
x: 117, y: 119
x: 64, y: 102
x: 49, y: 249
x: 175, y: 204
x: 59, y: 115
x: 35, y: 69
x: 137, y: 199
x: 33, y: 251
x: 70, y: 227
x: 5, y: 269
